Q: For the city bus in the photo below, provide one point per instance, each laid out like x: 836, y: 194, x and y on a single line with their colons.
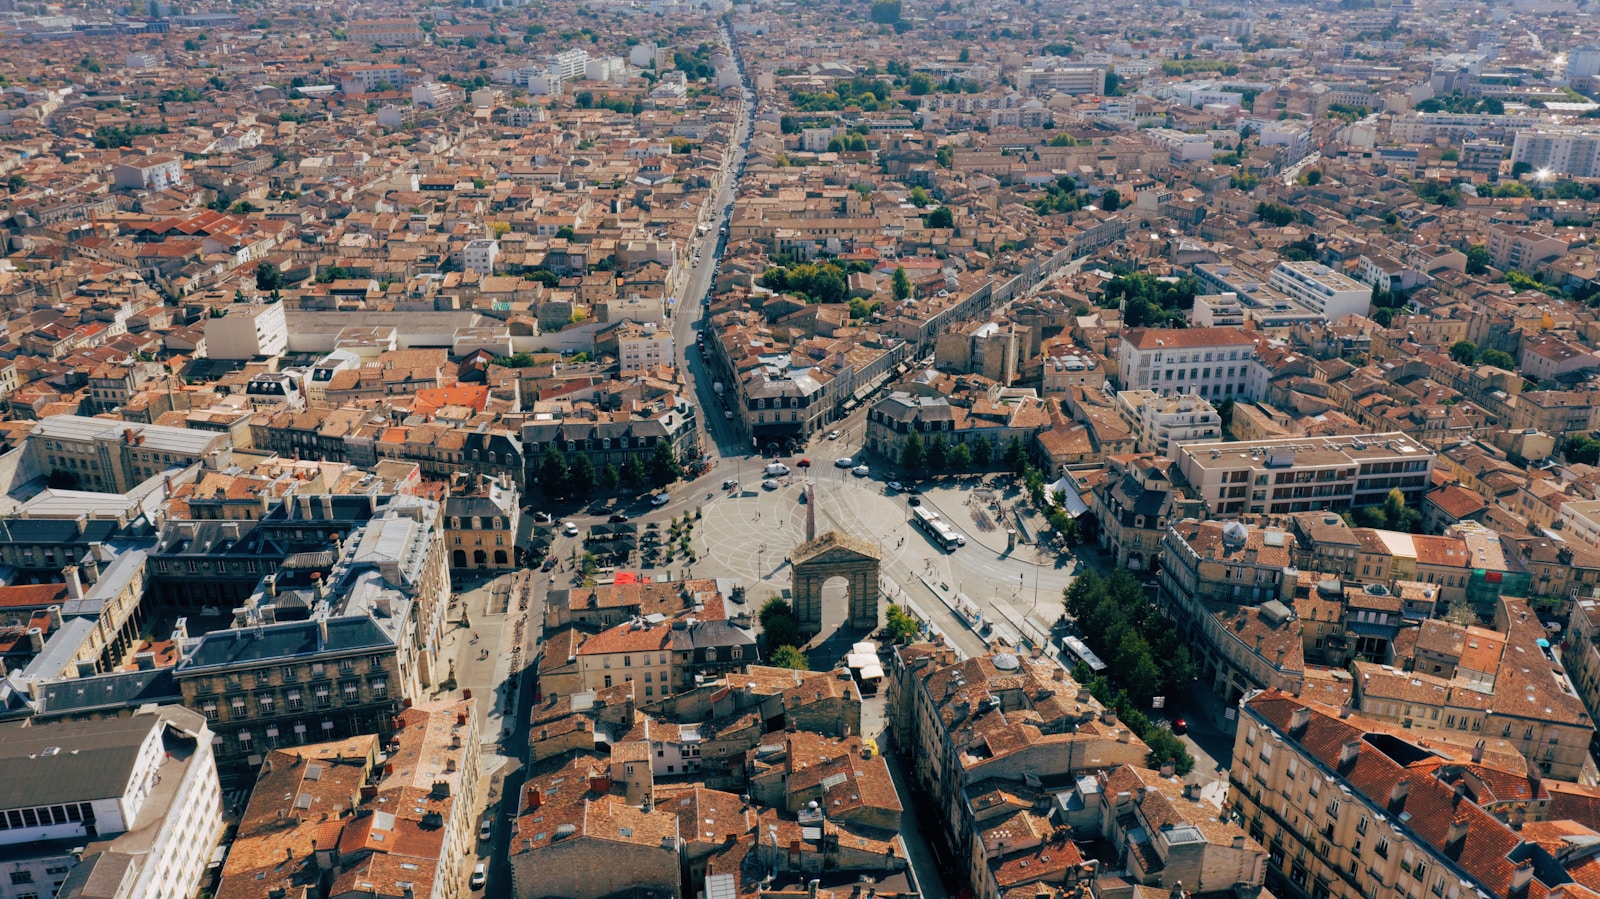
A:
x: 937, y: 530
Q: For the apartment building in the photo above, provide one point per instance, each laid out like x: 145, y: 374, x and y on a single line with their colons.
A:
x: 1230, y: 588
x: 1162, y: 423
x: 588, y: 827
x: 388, y: 32
x: 479, y: 256
x: 245, y: 331
x: 323, y: 651
x: 1133, y: 506
x: 995, y: 716
x: 109, y: 456
x: 1211, y: 363
x: 1350, y: 807
x: 643, y: 347
x: 326, y: 820
x: 615, y: 437
x: 481, y: 528
x: 1303, y: 474
x: 1181, y: 146
x: 1047, y: 73
x: 1325, y: 291
x: 665, y: 657
x: 1569, y: 152
x: 148, y: 173
x: 132, y: 801
x: 1525, y: 249
x: 959, y: 420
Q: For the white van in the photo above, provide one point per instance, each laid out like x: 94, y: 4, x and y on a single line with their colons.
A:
x: 777, y: 470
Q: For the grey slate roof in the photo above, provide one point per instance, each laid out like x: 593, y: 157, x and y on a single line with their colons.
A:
x: 246, y: 646
x: 92, y: 759
x: 121, y: 688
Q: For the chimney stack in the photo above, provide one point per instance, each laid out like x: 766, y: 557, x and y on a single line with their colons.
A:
x: 1520, y: 877
x: 1299, y: 720
x: 74, y: 582
x: 1477, y: 752
x: 1398, y: 794
x: 1456, y: 833
x: 533, y: 797
x: 1348, y: 752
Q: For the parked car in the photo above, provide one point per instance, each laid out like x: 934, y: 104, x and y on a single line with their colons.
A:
x: 894, y: 485
x: 486, y: 829
x: 480, y: 875
x: 833, y: 435
x: 570, y: 529
x: 1180, y: 726
x: 618, y: 517
x: 861, y: 471
x: 549, y: 563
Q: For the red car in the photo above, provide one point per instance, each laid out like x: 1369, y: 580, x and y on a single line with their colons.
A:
x: 804, y: 463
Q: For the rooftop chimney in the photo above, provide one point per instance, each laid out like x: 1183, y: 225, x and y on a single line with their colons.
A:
x: 600, y: 783
x: 1398, y: 794
x: 74, y: 582
x: 1299, y: 721
x: 1520, y: 877
x: 1477, y: 751
x: 1347, y: 752
x: 533, y: 797
x: 1456, y: 833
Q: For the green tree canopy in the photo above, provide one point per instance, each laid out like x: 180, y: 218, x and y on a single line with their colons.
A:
x: 902, y: 283
x: 789, y: 657
x: 1464, y: 352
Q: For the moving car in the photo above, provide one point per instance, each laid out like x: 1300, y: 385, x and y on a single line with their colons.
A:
x: 913, y: 500
x: 549, y: 563
x: 843, y: 462
x: 804, y: 463
x: 771, y: 484
x: 894, y: 485
x: 570, y: 529
x: 728, y: 414
x: 480, y: 875
x: 861, y: 471
x: 660, y: 499
x: 730, y: 484
x: 1180, y: 726
x: 618, y: 517
x: 543, y: 518
x: 833, y: 435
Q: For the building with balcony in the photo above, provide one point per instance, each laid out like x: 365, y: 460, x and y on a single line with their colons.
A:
x: 1160, y: 423
x: 1305, y: 474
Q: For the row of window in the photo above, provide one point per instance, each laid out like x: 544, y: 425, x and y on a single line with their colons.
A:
x: 273, y: 735
x: 47, y: 816
x: 294, y: 699
x: 288, y: 674
x: 590, y: 444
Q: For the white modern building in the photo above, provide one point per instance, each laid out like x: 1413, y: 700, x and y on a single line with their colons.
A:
x: 1218, y: 310
x: 1181, y: 145
x: 1211, y: 363
x: 246, y: 331
x: 479, y: 256
x: 1306, y: 474
x: 1559, y: 151
x: 1324, y: 290
x: 643, y: 346
x: 131, y: 803
x: 149, y: 173
x: 1049, y: 74
x: 1160, y: 424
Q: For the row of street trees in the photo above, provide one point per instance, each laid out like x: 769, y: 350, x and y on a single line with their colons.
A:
x: 1145, y: 656
x: 576, y: 477
x: 938, y: 454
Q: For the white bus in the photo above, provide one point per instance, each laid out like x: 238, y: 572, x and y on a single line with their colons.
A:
x: 943, y: 534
